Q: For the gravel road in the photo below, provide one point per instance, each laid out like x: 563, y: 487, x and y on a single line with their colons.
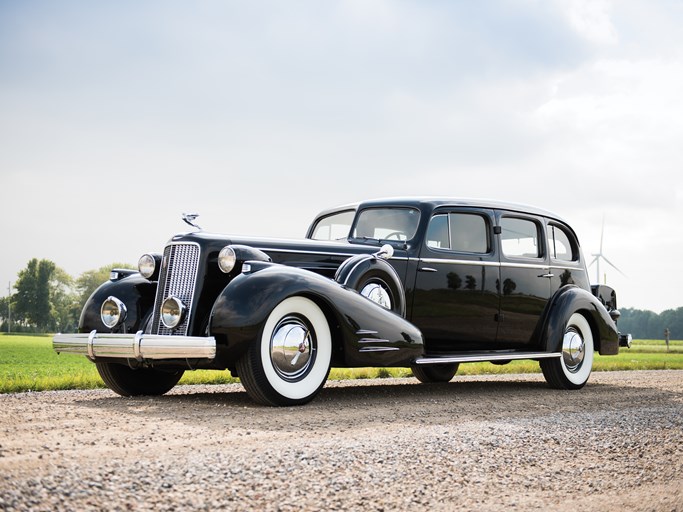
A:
x: 477, y: 443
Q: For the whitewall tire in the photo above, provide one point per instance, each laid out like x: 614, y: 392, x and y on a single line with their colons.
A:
x: 290, y: 362
x: 573, y: 368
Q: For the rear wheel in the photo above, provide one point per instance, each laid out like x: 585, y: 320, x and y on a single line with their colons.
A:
x: 125, y: 381
x: 289, y: 363
x: 434, y: 372
x: 571, y: 371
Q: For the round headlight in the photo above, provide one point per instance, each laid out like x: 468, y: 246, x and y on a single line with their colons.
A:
x: 172, y: 312
x: 147, y: 265
x: 227, y: 259
x: 113, y: 312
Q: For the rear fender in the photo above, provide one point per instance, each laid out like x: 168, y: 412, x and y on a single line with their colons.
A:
x: 569, y: 300
x: 364, y: 333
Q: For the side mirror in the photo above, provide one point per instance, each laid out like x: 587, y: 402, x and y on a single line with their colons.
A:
x: 385, y: 252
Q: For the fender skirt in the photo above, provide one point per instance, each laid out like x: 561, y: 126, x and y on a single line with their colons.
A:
x: 363, y: 333
x: 567, y: 301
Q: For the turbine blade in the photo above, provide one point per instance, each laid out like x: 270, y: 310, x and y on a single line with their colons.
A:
x: 614, y: 266
x: 594, y: 259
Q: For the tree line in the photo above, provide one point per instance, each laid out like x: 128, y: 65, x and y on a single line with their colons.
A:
x: 48, y: 299
x: 647, y: 325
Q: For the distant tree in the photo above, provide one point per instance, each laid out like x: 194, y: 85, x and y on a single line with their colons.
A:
x: 643, y: 324
x: 43, y: 296
x: 89, y: 280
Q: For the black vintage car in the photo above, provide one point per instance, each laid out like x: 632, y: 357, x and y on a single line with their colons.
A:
x: 416, y: 282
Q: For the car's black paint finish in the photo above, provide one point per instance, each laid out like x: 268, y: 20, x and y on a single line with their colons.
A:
x: 241, y: 310
x: 133, y: 290
x: 448, y: 301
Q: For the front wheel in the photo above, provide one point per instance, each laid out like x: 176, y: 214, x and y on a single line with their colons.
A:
x: 289, y: 363
x: 571, y: 371
x: 434, y: 372
x: 125, y: 381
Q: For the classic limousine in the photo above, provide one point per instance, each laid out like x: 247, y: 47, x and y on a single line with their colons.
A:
x: 416, y: 282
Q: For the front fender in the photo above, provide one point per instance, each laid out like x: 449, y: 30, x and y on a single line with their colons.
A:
x: 136, y: 292
x: 569, y: 300
x: 364, y: 333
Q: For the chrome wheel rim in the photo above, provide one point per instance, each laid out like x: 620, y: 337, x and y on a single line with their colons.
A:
x: 377, y: 294
x: 292, y: 348
x: 573, y: 349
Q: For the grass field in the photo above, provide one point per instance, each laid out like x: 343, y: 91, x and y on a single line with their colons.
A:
x: 28, y: 363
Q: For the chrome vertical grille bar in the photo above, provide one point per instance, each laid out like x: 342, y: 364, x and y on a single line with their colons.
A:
x: 178, y: 278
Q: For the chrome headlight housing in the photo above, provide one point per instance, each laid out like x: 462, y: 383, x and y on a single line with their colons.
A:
x: 227, y: 259
x: 172, y: 312
x: 113, y: 312
x: 148, y: 265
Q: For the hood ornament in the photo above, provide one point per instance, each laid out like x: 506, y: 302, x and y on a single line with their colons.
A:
x: 189, y: 219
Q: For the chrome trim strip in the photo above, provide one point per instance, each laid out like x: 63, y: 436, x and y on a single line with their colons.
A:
x: 475, y: 358
x: 461, y: 262
x: 373, y: 340
x: 363, y: 332
x: 491, y: 263
x: 378, y: 349
x: 565, y: 267
x: 525, y: 265
x: 138, y: 346
x: 323, y: 253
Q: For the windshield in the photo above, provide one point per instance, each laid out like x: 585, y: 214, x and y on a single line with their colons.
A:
x: 387, y: 224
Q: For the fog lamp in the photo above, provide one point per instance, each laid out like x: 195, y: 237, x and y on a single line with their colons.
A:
x: 113, y: 312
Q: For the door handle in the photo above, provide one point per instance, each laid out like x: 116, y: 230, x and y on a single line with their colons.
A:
x: 547, y: 275
x: 426, y: 269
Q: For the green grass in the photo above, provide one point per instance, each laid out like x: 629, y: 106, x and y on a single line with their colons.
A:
x: 27, y: 362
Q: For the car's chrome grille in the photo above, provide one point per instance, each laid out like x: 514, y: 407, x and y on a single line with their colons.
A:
x: 177, y: 278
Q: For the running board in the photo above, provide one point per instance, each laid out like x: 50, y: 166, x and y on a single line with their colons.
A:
x: 484, y: 356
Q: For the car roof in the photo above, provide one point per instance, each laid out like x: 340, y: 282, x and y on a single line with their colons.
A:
x: 435, y: 202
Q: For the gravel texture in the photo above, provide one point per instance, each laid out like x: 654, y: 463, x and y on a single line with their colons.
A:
x: 477, y: 443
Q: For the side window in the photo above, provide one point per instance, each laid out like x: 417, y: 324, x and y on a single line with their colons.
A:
x: 334, y: 227
x: 560, y: 244
x: 462, y: 232
x: 519, y: 238
x: 437, y: 232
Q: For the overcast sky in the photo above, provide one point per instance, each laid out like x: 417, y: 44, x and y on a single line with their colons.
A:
x: 115, y: 117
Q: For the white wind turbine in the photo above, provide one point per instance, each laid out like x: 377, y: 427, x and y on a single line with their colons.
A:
x: 599, y: 255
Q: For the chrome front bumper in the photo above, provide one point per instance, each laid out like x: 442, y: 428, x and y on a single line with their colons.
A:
x: 137, y: 346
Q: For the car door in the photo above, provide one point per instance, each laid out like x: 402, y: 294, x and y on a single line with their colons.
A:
x: 524, y: 278
x: 456, y: 302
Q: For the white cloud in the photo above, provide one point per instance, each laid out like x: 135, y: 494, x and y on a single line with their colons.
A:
x: 238, y: 109
x: 591, y: 19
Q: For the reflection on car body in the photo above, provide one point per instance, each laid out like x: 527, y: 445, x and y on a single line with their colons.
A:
x: 413, y: 282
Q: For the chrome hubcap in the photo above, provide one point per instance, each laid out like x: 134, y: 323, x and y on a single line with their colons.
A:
x: 378, y: 294
x: 573, y: 349
x: 292, y: 348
